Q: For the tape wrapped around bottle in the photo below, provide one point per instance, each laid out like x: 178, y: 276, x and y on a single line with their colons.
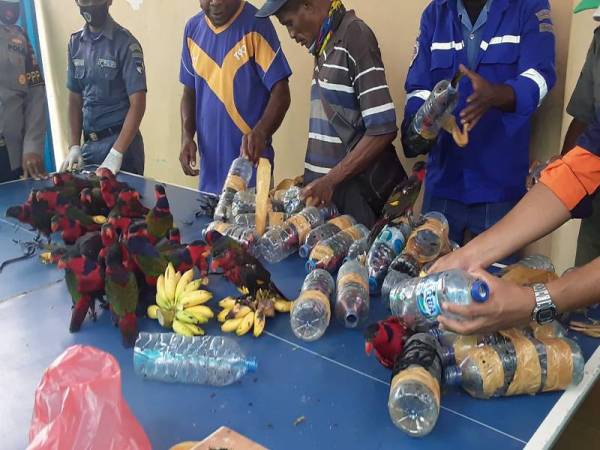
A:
x: 528, y: 374
x: 559, y: 366
x: 320, y: 297
x: 418, y: 374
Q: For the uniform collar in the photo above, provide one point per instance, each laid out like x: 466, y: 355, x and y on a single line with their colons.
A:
x: 225, y: 26
x: 108, y: 31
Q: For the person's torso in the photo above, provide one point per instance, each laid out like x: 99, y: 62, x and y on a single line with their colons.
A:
x: 494, y: 164
x: 596, y: 70
x: 98, y: 61
x: 230, y: 94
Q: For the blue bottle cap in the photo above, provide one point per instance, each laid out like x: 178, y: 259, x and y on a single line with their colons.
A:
x: 251, y: 365
x: 311, y: 265
x: 448, y: 356
x: 304, y: 251
x: 373, y: 286
x: 452, y: 376
x: 480, y: 291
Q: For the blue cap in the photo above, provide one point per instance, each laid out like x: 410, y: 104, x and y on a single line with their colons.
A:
x: 373, y: 286
x: 251, y: 365
x: 311, y: 265
x: 480, y: 291
x: 304, y: 251
x: 270, y: 7
x: 452, y: 376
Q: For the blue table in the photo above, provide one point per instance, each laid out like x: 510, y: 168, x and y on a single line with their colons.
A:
x: 340, y: 392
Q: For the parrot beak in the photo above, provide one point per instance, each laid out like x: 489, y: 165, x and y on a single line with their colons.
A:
x: 368, y: 348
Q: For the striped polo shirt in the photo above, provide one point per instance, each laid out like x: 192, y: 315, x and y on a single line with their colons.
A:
x: 351, y: 76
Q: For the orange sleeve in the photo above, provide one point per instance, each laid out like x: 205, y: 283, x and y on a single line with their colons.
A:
x: 574, y: 177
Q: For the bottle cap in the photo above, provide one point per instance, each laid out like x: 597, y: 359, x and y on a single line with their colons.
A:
x: 480, y: 291
x: 311, y: 265
x: 448, y: 356
x: 452, y: 376
x: 251, y: 365
x: 304, y: 251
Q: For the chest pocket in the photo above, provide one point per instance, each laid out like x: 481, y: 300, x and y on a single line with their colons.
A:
x: 502, y: 52
x: 14, y: 74
x: 105, y: 73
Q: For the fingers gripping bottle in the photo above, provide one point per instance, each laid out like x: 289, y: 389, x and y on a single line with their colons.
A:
x: 419, y: 300
x: 237, y: 180
x: 325, y: 231
x: 424, y: 245
x: 352, y: 294
x: 311, y: 312
x: 330, y: 253
x: 414, y: 400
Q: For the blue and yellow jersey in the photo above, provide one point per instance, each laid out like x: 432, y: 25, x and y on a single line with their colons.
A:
x: 232, y: 69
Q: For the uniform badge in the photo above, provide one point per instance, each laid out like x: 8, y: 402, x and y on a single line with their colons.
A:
x: 140, y: 67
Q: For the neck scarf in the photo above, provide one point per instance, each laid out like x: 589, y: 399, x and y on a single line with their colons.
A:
x: 336, y: 13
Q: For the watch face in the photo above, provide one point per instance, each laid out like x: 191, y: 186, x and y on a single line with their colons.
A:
x: 546, y: 315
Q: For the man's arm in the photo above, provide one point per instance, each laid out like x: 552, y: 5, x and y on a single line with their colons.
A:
x: 576, y: 129
x: 133, y: 120
x: 255, y: 142
x: 189, y: 149
x: 75, y: 118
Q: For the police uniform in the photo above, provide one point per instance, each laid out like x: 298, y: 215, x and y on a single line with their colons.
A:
x: 105, y: 69
x: 22, y: 102
x: 584, y: 106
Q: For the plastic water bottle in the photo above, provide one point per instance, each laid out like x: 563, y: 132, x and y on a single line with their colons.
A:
x: 456, y: 347
x: 414, y: 400
x: 352, y: 301
x: 419, y: 301
x: 424, y: 245
x: 329, y: 212
x: 243, y: 202
x: 387, y: 246
x: 311, y: 312
x: 209, y: 360
x: 244, y: 235
x: 330, y: 253
x: 392, y: 279
x: 280, y: 242
x: 325, y: 231
x: 237, y: 180
x: 497, y: 370
x: 245, y: 220
x: 358, y: 249
x: 292, y: 203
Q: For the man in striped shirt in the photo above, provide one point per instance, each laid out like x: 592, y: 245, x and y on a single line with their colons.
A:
x: 350, y: 158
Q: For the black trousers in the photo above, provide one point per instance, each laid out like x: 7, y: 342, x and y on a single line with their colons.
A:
x: 6, y: 172
x: 350, y: 199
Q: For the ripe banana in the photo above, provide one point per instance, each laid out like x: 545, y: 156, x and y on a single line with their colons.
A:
x: 193, y: 299
x: 246, y: 324
x: 170, y: 287
x: 231, y: 325
x: 182, y: 328
x: 201, y: 310
x: 239, y: 311
x: 189, y: 318
x: 194, y: 286
x: 222, y: 317
x: 259, y: 323
x: 195, y: 329
x: 165, y: 317
x: 227, y: 302
x: 282, y: 306
x: 186, y: 279
x: 152, y: 312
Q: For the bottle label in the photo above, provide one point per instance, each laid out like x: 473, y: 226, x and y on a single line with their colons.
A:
x: 301, y: 225
x: 353, y: 278
x: 319, y: 296
x: 236, y: 183
x: 342, y: 222
x: 559, y: 364
x: 428, y: 301
x: 420, y: 375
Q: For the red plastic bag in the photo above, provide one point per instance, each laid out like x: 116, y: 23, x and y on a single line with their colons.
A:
x: 78, y: 405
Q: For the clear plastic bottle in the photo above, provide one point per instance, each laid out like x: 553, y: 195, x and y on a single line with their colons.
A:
x: 456, y: 347
x: 414, y: 400
x: 424, y: 245
x: 280, y: 242
x: 483, y: 372
x: 292, y: 203
x: 418, y: 301
x: 358, y: 249
x: 311, y: 312
x: 244, y: 202
x: 392, y: 279
x: 237, y: 180
x: 352, y: 295
x: 244, y: 235
x: 245, y: 220
x: 329, y: 211
x: 323, y: 232
x: 172, y: 358
x: 387, y: 246
x: 330, y: 253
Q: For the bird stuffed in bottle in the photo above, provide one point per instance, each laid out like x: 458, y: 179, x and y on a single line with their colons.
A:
x: 386, y: 339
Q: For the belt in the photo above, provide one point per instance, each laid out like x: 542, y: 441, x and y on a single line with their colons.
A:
x: 96, y: 136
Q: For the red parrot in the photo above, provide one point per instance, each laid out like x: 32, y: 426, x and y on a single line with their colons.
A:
x: 159, y: 218
x: 93, y: 203
x: 57, y: 201
x: 128, y: 204
x: 386, y: 338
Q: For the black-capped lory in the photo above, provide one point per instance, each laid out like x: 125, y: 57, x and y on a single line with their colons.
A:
x: 129, y: 205
x: 386, y: 338
x: 159, y: 219
x: 184, y: 257
x: 173, y: 240
x: 74, y: 223
x: 92, y: 202
x: 146, y: 257
x: 122, y: 295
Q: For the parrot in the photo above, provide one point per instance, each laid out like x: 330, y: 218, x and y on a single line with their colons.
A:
x: 128, y: 204
x: 173, y: 240
x: 150, y: 262
x: 159, y: 218
x: 34, y: 213
x: 57, y: 201
x: 93, y: 203
x: 386, y: 338
x: 122, y: 295
x: 71, y: 185
x: 74, y: 224
x: 239, y: 266
x: 110, y: 187
x: 89, y: 245
x: 185, y: 257
x: 401, y: 200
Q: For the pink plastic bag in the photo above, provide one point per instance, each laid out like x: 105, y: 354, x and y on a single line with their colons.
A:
x: 78, y: 405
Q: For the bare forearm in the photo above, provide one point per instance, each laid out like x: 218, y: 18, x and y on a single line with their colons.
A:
x: 540, y: 212
x: 576, y: 129
x: 505, y: 99
x: 277, y: 107
x: 188, y: 114
x: 577, y: 289
x: 358, y: 160
x: 131, y: 126
x: 75, y: 118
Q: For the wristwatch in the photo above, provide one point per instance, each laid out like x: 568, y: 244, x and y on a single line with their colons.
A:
x: 545, y: 310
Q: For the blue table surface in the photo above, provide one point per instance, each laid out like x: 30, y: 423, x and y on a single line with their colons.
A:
x: 341, y: 393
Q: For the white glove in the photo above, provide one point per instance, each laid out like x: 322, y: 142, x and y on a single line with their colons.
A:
x: 73, y: 159
x: 113, y: 161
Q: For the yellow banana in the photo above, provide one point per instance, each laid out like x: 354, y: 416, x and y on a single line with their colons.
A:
x: 165, y: 317
x: 170, y: 286
x: 193, y: 286
x: 227, y: 302
x: 99, y: 220
x: 259, y: 323
x: 282, y: 306
x: 222, y: 317
x: 186, y: 279
x: 231, y: 325
x: 152, y: 312
x: 246, y: 324
x: 170, y: 272
x: 201, y: 310
x: 186, y: 317
x: 193, y: 299
x: 239, y: 311
x: 182, y: 328
x: 195, y: 329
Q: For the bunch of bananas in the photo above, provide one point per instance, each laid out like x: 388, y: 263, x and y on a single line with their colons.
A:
x: 180, y: 303
x: 240, y: 315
